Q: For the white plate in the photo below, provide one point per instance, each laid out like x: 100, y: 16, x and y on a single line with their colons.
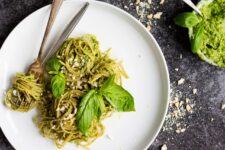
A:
x: 130, y: 41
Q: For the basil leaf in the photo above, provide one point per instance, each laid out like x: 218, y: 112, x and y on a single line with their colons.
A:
x: 186, y: 20
x: 54, y: 64
x: 197, y: 39
x: 108, y: 82
x: 101, y: 104
x: 91, y: 107
x: 58, y: 83
x: 117, y: 96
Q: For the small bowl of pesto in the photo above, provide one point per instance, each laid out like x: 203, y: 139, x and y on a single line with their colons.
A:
x: 207, y: 32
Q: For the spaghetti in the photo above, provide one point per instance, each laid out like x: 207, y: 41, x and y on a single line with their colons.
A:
x: 85, y: 67
x: 26, y: 91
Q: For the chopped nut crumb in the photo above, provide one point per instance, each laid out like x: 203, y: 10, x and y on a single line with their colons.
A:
x: 183, y: 130
x: 176, y: 69
x: 150, y: 1
x: 178, y: 131
x: 14, y: 92
x: 150, y: 16
x: 181, y: 103
x: 194, y: 91
x: 177, y: 104
x: 187, y: 100
x: 188, y: 108
x: 142, y: 4
x: 223, y: 106
x: 137, y: 1
x: 162, y: 2
x: 157, y: 15
x: 176, y: 98
x: 164, y: 147
x: 148, y: 28
x: 181, y: 81
x: 177, y: 111
x: 145, y: 10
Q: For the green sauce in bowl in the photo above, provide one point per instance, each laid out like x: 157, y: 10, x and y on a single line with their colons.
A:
x: 206, y: 33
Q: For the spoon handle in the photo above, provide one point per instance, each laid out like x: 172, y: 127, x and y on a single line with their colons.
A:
x: 192, y: 5
x: 56, y: 4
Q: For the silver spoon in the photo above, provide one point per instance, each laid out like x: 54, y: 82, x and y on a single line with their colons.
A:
x: 192, y: 5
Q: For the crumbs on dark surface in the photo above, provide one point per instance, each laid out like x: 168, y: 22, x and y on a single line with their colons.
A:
x: 146, y: 11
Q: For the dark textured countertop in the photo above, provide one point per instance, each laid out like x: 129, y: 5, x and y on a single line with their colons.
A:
x: 206, y: 125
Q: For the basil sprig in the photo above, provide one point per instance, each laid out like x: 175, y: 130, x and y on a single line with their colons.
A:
x: 54, y: 64
x: 187, y: 19
x: 92, y: 105
x: 197, y: 39
x: 117, y: 96
x: 196, y: 30
x: 58, y: 81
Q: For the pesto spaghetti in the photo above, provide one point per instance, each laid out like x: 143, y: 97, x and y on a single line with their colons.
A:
x: 83, y: 88
x: 80, y: 88
x: 25, y: 93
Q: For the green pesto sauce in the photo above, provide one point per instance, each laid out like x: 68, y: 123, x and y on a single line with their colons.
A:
x: 212, y: 48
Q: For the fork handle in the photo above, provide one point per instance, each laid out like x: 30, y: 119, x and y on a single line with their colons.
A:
x: 56, y: 4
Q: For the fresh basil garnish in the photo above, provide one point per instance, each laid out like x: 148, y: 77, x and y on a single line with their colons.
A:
x: 54, y: 64
x: 187, y: 19
x: 117, y: 96
x: 91, y: 107
x: 58, y: 83
x: 92, y: 104
x: 197, y: 39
